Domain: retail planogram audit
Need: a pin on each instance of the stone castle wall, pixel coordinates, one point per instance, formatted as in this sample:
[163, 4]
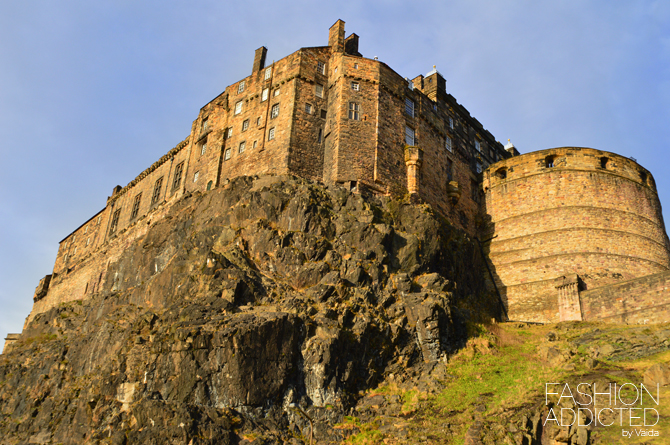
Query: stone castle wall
[570, 211]
[329, 114]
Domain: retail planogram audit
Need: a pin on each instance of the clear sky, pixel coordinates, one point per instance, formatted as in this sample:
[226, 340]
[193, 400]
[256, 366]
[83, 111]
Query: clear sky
[91, 93]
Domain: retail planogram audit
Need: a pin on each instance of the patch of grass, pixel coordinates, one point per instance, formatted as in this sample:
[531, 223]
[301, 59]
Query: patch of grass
[510, 375]
[369, 432]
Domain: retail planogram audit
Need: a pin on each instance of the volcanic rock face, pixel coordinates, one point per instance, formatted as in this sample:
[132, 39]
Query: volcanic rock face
[267, 292]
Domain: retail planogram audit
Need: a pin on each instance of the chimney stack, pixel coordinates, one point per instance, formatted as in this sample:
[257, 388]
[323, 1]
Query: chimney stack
[336, 36]
[259, 59]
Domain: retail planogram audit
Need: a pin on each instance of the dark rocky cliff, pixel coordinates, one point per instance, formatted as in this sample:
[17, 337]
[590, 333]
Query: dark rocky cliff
[265, 293]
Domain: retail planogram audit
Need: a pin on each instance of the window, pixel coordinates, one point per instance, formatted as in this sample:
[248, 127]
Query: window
[157, 191]
[355, 66]
[240, 87]
[323, 114]
[409, 136]
[318, 90]
[88, 241]
[603, 162]
[226, 154]
[478, 167]
[409, 106]
[501, 173]
[75, 251]
[320, 67]
[136, 206]
[308, 108]
[238, 107]
[478, 146]
[205, 125]
[115, 221]
[474, 190]
[274, 112]
[268, 73]
[354, 111]
[355, 86]
[74, 237]
[195, 176]
[320, 137]
[203, 149]
[448, 144]
[245, 125]
[271, 134]
[97, 223]
[209, 186]
[549, 161]
[177, 175]
[230, 132]
[258, 121]
[451, 123]
[276, 93]
[264, 94]
[255, 144]
[243, 145]
[450, 170]
[86, 229]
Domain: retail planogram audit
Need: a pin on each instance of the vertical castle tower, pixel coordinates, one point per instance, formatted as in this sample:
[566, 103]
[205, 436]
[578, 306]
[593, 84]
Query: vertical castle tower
[567, 220]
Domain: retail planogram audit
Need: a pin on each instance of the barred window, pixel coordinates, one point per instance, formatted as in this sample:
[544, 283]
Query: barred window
[308, 108]
[409, 106]
[274, 112]
[205, 125]
[448, 144]
[268, 73]
[136, 206]
[354, 111]
[355, 86]
[115, 221]
[203, 149]
[243, 145]
[320, 67]
[409, 136]
[245, 125]
[264, 94]
[271, 134]
[177, 175]
[226, 154]
[157, 191]
[240, 87]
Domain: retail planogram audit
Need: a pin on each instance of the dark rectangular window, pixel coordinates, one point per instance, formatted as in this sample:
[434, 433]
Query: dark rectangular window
[157, 191]
[115, 221]
[136, 206]
[178, 171]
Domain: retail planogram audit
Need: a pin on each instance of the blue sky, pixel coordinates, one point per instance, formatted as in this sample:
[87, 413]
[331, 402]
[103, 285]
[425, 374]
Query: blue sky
[91, 93]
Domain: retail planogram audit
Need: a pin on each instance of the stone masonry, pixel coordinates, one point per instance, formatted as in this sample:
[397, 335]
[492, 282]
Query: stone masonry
[329, 114]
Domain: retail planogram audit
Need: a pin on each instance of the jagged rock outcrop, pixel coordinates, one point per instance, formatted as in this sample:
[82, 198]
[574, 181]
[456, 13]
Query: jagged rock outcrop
[265, 293]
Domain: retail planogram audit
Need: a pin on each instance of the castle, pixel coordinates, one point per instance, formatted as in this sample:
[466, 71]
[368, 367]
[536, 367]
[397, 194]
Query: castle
[570, 233]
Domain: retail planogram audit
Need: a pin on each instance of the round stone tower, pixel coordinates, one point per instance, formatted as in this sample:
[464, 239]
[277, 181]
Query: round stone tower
[566, 220]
